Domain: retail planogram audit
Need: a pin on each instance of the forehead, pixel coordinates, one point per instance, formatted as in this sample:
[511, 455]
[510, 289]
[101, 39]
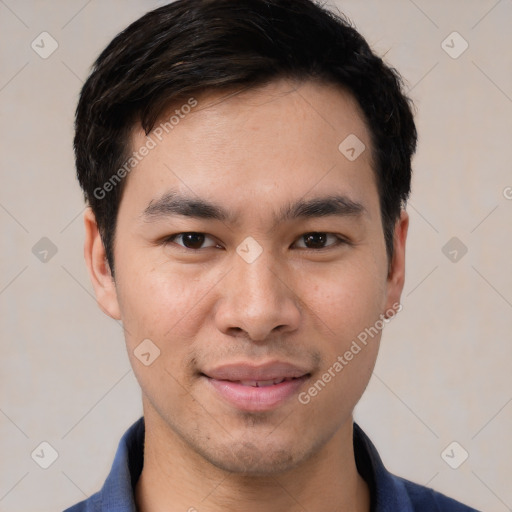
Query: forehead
[256, 147]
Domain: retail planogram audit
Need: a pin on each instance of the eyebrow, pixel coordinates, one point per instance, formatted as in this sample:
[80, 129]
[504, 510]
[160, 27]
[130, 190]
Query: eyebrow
[172, 204]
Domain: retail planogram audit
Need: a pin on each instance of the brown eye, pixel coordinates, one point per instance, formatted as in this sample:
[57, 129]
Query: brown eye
[318, 240]
[191, 240]
[315, 240]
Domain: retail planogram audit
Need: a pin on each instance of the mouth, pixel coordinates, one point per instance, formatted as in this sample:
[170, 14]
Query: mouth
[256, 388]
[263, 383]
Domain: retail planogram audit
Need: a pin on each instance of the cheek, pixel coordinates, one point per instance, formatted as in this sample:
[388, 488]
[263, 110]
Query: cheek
[162, 305]
[158, 301]
[347, 304]
[346, 298]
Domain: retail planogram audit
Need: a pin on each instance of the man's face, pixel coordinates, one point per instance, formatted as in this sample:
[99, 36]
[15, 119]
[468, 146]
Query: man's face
[275, 281]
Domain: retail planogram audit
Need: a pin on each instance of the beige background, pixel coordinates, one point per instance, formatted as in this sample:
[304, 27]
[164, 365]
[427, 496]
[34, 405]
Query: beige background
[443, 374]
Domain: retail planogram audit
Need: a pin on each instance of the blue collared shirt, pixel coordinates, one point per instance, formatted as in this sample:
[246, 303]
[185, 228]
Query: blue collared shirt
[389, 493]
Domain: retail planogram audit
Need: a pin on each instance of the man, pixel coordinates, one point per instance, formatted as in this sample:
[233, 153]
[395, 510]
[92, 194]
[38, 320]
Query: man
[246, 165]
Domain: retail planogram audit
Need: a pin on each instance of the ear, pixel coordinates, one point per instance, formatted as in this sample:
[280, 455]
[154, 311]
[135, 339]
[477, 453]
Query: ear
[396, 273]
[99, 269]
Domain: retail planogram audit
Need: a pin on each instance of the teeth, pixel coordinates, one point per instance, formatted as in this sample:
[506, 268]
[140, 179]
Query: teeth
[249, 383]
[262, 383]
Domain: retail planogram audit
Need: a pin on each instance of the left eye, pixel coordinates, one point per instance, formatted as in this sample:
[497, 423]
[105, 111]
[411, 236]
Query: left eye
[191, 240]
[318, 240]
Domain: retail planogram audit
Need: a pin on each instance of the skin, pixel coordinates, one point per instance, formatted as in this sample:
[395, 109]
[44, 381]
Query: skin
[252, 153]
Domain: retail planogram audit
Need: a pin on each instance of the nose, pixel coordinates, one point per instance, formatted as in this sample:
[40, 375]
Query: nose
[257, 300]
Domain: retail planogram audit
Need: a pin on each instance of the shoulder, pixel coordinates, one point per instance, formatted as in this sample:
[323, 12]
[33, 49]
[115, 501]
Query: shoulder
[89, 505]
[425, 499]
[390, 492]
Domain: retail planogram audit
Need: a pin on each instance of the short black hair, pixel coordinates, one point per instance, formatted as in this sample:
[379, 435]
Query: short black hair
[192, 46]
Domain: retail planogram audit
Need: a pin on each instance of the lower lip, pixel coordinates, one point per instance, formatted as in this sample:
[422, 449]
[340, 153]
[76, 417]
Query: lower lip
[251, 398]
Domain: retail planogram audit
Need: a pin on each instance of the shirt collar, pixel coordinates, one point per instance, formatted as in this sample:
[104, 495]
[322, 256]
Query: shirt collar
[388, 492]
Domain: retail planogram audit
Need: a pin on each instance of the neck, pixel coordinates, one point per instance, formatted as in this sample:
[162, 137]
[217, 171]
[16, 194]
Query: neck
[175, 478]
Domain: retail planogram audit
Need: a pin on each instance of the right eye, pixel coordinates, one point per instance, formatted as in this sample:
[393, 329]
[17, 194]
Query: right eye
[190, 240]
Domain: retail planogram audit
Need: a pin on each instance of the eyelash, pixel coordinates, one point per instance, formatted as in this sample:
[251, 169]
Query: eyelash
[339, 240]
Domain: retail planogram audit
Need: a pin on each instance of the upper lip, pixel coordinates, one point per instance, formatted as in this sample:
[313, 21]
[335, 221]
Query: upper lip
[250, 372]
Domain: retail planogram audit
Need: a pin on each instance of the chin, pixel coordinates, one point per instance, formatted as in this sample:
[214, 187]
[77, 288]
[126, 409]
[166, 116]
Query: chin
[260, 455]
[248, 459]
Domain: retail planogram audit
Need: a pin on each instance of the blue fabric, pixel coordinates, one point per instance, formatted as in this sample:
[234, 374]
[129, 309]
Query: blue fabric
[389, 493]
